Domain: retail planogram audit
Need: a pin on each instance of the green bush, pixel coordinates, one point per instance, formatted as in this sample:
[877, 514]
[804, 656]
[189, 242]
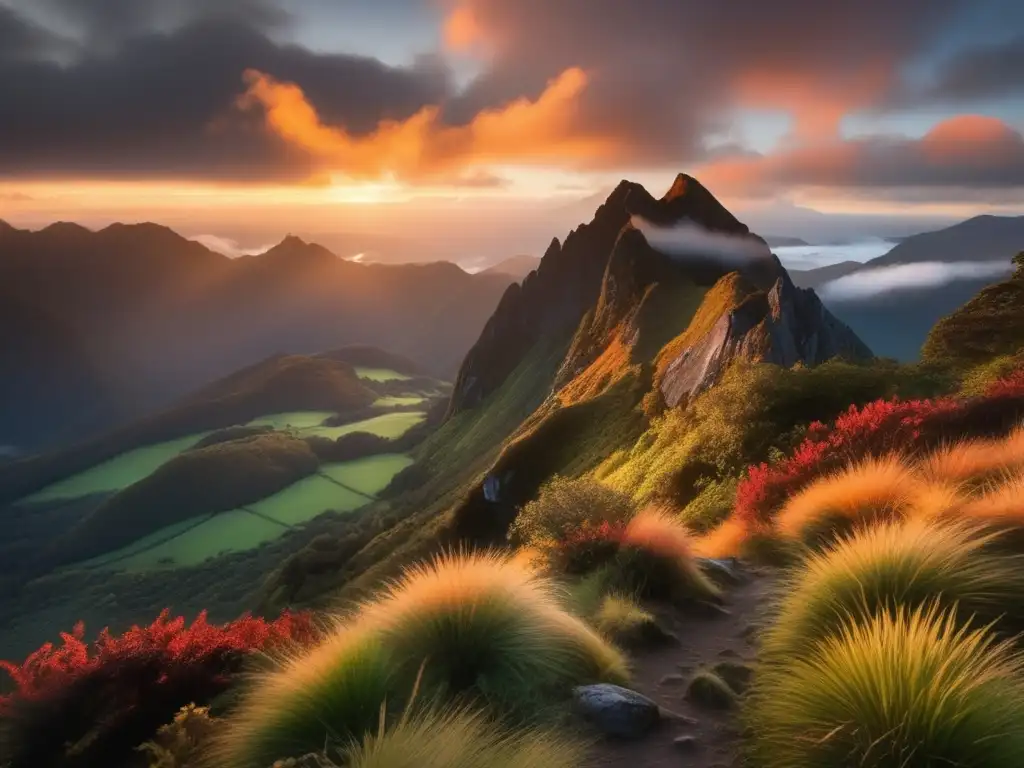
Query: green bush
[563, 507]
[896, 565]
[905, 689]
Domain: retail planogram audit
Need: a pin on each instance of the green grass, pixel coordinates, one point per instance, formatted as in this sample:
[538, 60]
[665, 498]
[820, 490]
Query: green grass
[394, 401]
[369, 475]
[311, 423]
[192, 541]
[380, 374]
[890, 565]
[118, 472]
[897, 691]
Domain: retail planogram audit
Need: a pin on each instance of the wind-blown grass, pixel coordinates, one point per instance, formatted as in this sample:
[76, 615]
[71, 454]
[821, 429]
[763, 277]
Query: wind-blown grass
[474, 628]
[463, 739]
[899, 690]
[868, 491]
[896, 565]
[1001, 508]
[619, 615]
[975, 463]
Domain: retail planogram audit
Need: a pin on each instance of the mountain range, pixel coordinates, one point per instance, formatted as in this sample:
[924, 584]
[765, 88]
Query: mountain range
[101, 327]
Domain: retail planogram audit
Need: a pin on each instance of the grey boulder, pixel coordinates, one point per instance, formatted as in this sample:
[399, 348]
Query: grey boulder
[616, 711]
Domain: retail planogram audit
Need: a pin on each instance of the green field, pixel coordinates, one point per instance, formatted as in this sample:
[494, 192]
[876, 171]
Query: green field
[380, 374]
[310, 423]
[192, 541]
[118, 472]
[394, 401]
[297, 420]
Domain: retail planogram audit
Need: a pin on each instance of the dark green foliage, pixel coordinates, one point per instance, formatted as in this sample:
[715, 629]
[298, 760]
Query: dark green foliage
[214, 479]
[230, 434]
[355, 445]
[988, 326]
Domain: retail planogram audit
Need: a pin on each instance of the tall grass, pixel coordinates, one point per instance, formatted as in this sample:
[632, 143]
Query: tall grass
[914, 688]
[896, 565]
[1001, 508]
[462, 739]
[476, 628]
[868, 491]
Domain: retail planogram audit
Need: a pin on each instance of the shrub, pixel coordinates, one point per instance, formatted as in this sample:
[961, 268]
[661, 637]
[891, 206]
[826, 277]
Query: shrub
[86, 705]
[656, 560]
[180, 743]
[896, 565]
[914, 688]
[711, 506]
[563, 509]
[708, 689]
[869, 491]
[456, 738]
[474, 627]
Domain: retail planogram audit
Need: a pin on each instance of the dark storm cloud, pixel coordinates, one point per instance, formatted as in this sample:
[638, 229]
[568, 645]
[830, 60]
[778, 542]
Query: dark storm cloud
[987, 71]
[163, 105]
[21, 38]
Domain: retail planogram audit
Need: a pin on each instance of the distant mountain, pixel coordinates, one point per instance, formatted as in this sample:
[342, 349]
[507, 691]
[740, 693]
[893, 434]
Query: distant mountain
[517, 267]
[129, 317]
[781, 241]
[812, 278]
[983, 238]
[896, 323]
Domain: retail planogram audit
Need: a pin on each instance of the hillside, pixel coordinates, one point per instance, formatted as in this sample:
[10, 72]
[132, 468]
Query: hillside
[516, 267]
[813, 278]
[981, 238]
[156, 316]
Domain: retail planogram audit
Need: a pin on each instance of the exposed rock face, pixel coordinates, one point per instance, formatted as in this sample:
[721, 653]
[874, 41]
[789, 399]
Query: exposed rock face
[552, 301]
[784, 326]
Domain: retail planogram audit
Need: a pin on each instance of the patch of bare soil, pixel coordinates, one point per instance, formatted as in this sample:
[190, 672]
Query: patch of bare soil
[699, 736]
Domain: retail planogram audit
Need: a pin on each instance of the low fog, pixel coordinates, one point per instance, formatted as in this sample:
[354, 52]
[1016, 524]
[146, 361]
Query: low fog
[904, 277]
[687, 240]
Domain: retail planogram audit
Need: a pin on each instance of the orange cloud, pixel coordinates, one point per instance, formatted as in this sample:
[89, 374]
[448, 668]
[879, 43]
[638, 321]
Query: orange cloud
[423, 147]
[462, 29]
[967, 151]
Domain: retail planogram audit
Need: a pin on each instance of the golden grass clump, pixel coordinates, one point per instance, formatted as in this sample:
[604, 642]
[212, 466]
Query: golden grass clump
[1001, 508]
[457, 738]
[896, 565]
[975, 463]
[657, 559]
[910, 688]
[476, 627]
[619, 615]
[869, 491]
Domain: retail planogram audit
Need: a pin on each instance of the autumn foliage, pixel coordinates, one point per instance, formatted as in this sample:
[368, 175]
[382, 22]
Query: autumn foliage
[91, 704]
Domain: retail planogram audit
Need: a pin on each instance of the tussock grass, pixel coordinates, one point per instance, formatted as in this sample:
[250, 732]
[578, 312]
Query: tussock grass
[896, 565]
[914, 688]
[657, 559]
[620, 615]
[868, 491]
[462, 739]
[975, 463]
[937, 501]
[727, 540]
[1001, 508]
[478, 628]
[330, 694]
[485, 623]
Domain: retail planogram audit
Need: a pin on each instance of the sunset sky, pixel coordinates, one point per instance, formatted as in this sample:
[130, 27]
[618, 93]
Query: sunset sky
[503, 119]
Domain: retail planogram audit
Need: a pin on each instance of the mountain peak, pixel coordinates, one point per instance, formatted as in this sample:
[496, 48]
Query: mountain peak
[293, 247]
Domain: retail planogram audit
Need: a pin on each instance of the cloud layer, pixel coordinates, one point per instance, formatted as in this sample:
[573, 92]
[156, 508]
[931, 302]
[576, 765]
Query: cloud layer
[909, 277]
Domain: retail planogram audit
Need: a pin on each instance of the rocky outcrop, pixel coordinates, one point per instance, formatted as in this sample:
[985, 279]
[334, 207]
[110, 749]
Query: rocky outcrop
[551, 302]
[784, 325]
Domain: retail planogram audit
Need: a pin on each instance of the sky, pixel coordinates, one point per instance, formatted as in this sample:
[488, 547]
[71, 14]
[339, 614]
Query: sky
[423, 128]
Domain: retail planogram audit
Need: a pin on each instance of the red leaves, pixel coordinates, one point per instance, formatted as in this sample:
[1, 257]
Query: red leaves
[877, 428]
[584, 548]
[50, 669]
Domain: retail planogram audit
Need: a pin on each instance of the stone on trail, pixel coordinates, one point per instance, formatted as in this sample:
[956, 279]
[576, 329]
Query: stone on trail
[616, 711]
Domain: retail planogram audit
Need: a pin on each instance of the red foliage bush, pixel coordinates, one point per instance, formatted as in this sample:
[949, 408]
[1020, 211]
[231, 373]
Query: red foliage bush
[875, 429]
[80, 704]
[585, 548]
